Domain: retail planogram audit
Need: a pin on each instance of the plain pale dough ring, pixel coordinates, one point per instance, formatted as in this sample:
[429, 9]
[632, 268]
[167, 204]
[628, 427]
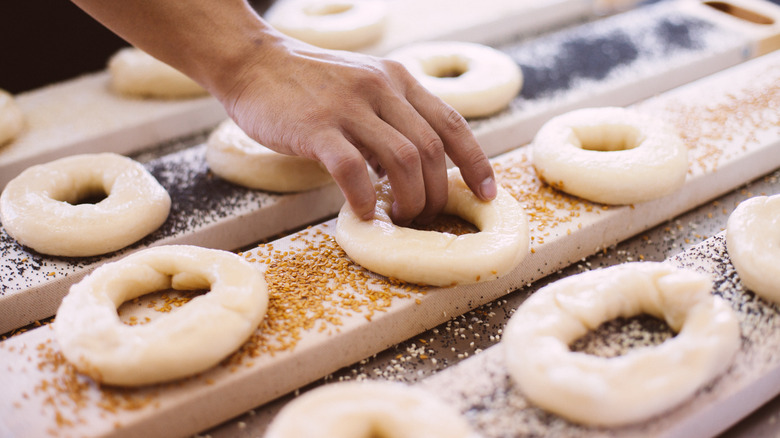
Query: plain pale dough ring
[135, 73]
[37, 207]
[645, 381]
[475, 80]
[182, 343]
[11, 118]
[368, 409]
[331, 24]
[234, 156]
[753, 242]
[610, 155]
[434, 258]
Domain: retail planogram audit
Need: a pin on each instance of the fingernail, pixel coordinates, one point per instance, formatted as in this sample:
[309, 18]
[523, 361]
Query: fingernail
[487, 188]
[368, 216]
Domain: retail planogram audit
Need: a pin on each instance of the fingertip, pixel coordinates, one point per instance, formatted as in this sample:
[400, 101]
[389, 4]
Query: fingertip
[397, 216]
[488, 189]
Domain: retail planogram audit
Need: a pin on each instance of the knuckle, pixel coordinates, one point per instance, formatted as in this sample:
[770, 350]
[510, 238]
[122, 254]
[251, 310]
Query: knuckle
[406, 156]
[453, 121]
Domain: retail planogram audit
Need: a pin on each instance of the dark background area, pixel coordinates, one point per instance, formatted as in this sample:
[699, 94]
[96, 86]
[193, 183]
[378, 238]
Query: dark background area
[47, 41]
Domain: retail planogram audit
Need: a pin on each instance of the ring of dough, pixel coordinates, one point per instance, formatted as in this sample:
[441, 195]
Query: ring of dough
[37, 207]
[182, 343]
[475, 80]
[752, 241]
[331, 24]
[368, 409]
[11, 118]
[435, 258]
[234, 156]
[610, 155]
[135, 73]
[645, 381]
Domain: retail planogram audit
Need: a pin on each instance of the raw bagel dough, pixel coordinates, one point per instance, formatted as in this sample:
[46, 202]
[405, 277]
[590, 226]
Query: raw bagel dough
[234, 156]
[368, 409]
[645, 381]
[36, 207]
[753, 242]
[11, 118]
[331, 24]
[134, 73]
[475, 80]
[434, 258]
[610, 155]
[193, 339]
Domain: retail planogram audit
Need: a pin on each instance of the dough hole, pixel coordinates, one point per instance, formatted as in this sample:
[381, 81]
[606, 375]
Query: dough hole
[620, 335]
[91, 196]
[327, 9]
[157, 304]
[448, 223]
[445, 66]
[614, 138]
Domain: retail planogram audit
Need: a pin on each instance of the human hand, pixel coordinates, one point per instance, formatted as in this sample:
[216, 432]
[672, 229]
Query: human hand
[345, 109]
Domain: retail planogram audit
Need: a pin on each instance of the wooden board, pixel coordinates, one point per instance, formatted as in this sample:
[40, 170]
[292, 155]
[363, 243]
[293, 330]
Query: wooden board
[481, 388]
[560, 75]
[365, 314]
[83, 115]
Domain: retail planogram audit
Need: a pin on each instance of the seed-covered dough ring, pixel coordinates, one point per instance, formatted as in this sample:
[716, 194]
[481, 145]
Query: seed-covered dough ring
[645, 381]
[134, 73]
[234, 156]
[331, 24]
[475, 80]
[368, 409]
[37, 207]
[182, 343]
[753, 242]
[11, 118]
[610, 155]
[434, 258]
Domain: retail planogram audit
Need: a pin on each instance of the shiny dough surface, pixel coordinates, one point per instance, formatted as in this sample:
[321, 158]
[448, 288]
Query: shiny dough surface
[368, 409]
[639, 384]
[753, 243]
[41, 208]
[189, 340]
[134, 73]
[474, 79]
[437, 258]
[610, 155]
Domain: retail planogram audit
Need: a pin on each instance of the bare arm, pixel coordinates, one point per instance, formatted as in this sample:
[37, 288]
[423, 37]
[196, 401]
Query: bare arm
[340, 108]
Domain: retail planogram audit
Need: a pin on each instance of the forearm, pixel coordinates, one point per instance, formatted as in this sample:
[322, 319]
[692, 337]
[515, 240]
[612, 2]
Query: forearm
[207, 40]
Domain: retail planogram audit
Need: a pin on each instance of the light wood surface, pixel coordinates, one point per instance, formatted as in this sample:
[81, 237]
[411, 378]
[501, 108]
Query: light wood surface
[724, 155]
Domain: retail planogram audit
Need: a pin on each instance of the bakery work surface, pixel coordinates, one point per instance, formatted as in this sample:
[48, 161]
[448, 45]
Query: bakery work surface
[564, 69]
[349, 314]
[330, 320]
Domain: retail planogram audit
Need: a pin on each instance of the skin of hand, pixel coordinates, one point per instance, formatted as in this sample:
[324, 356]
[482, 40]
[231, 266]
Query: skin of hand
[341, 108]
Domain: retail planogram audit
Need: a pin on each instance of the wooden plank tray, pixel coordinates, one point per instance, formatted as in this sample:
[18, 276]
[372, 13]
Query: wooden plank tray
[481, 388]
[83, 115]
[360, 314]
[33, 284]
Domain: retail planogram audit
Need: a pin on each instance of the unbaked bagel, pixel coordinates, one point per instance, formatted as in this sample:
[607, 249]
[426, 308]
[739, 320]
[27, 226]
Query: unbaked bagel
[753, 243]
[645, 381]
[331, 24]
[134, 73]
[234, 156]
[11, 118]
[192, 339]
[431, 257]
[368, 409]
[40, 207]
[610, 155]
[475, 80]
